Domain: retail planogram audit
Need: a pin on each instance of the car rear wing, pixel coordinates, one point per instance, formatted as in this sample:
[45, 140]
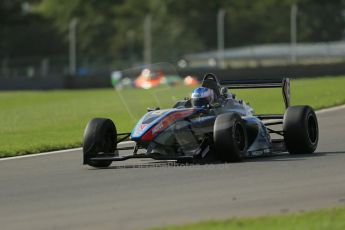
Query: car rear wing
[261, 83]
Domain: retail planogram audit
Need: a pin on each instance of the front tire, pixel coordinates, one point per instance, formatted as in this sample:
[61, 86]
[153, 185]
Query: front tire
[301, 131]
[99, 138]
[230, 137]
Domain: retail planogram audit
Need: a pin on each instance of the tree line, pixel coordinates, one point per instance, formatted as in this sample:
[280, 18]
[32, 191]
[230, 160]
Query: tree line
[112, 31]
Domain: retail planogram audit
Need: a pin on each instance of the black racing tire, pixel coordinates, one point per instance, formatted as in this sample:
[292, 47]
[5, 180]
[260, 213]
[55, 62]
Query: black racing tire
[301, 130]
[230, 137]
[99, 137]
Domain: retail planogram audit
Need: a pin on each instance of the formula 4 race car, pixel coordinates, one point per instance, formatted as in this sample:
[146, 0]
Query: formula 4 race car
[211, 126]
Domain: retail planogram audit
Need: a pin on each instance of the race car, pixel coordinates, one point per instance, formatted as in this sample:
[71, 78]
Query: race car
[213, 125]
[148, 79]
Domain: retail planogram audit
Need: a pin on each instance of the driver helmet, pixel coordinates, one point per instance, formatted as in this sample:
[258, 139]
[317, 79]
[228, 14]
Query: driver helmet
[202, 96]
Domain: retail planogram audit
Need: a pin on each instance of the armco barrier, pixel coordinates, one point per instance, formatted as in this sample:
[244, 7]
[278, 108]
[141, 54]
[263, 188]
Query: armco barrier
[103, 80]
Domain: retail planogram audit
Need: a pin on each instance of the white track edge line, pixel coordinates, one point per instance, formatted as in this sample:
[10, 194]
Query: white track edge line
[332, 109]
[52, 153]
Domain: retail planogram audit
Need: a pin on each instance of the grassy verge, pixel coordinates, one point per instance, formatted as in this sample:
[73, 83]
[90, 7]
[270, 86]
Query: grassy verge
[323, 219]
[36, 121]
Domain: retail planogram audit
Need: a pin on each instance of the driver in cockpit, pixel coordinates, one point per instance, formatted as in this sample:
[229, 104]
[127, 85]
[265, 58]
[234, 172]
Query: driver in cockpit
[210, 93]
[202, 97]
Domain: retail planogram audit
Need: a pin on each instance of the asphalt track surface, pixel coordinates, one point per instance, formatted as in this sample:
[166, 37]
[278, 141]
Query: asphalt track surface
[55, 192]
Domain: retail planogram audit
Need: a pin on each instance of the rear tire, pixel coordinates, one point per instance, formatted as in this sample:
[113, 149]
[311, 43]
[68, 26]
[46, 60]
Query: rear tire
[301, 131]
[230, 137]
[99, 137]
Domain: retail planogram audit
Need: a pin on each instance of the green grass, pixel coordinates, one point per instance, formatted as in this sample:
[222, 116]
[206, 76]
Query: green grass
[317, 220]
[36, 121]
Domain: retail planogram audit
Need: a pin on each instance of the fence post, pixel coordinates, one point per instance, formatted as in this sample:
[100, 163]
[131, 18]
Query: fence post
[147, 39]
[73, 46]
[44, 67]
[220, 37]
[293, 32]
[4, 68]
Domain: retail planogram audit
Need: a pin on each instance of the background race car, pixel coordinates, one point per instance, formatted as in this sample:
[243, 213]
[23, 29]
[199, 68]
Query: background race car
[150, 77]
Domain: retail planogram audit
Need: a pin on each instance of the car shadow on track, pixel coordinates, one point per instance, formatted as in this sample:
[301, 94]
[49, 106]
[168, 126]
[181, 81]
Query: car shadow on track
[164, 164]
[292, 157]
[159, 164]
